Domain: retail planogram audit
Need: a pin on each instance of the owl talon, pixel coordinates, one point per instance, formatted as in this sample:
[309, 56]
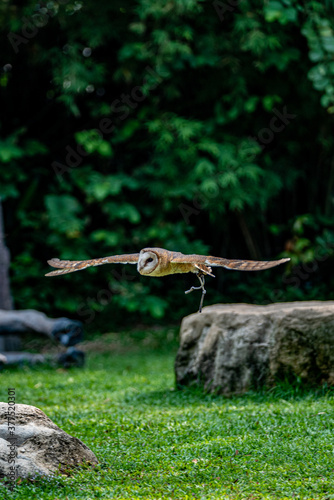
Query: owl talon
[202, 282]
[193, 288]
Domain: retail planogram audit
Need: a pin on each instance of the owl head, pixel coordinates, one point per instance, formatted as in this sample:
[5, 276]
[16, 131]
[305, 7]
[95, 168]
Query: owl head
[147, 262]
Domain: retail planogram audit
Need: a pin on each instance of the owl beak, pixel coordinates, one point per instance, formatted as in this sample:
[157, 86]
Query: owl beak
[139, 267]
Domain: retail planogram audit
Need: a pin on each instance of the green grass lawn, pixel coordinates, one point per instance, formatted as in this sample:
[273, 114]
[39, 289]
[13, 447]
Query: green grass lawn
[155, 442]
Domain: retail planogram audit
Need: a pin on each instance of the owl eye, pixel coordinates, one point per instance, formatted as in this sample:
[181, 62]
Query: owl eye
[149, 260]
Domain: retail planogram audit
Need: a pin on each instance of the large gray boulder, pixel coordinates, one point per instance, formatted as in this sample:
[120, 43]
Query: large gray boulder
[42, 448]
[231, 348]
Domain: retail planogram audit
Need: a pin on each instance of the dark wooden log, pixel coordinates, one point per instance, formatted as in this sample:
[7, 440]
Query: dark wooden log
[71, 357]
[63, 330]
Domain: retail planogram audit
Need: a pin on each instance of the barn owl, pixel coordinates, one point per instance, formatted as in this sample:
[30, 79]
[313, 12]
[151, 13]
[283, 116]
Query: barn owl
[160, 262]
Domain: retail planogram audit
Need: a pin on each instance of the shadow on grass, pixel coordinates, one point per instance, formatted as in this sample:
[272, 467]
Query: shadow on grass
[105, 363]
[196, 395]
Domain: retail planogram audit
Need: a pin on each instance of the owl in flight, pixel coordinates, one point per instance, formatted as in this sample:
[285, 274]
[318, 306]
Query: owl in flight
[160, 262]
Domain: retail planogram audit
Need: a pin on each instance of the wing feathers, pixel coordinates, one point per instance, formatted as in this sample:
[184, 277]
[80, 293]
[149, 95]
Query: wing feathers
[70, 266]
[244, 265]
[236, 264]
[201, 262]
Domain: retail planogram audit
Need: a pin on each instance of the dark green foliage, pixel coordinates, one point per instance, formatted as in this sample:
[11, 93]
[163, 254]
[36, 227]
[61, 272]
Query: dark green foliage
[191, 125]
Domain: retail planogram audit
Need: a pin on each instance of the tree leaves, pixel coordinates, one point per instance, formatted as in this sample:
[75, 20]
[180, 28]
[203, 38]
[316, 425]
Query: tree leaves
[193, 138]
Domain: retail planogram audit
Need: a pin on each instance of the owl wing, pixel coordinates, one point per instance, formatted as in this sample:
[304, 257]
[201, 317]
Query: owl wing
[235, 264]
[244, 265]
[70, 266]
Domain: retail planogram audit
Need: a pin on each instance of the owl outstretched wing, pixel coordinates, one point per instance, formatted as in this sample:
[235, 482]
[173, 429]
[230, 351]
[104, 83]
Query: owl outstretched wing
[235, 264]
[244, 265]
[71, 266]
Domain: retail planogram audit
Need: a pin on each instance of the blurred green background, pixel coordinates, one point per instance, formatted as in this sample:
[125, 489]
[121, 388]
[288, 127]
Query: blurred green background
[203, 127]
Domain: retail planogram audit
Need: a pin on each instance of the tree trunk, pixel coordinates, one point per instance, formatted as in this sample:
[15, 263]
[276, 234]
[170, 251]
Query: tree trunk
[6, 301]
[254, 253]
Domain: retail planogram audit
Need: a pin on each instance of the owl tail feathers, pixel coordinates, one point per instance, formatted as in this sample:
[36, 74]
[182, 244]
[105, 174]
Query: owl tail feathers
[203, 269]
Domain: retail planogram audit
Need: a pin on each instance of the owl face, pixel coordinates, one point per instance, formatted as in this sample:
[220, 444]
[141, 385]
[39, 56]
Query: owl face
[148, 262]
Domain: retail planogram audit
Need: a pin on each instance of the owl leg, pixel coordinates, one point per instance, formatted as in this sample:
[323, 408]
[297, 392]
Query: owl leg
[202, 282]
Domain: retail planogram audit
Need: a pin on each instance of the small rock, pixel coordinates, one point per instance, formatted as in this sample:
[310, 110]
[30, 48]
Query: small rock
[47, 448]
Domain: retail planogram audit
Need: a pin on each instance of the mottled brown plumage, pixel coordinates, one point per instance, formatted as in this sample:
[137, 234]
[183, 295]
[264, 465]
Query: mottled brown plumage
[165, 262]
[158, 262]
[70, 266]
